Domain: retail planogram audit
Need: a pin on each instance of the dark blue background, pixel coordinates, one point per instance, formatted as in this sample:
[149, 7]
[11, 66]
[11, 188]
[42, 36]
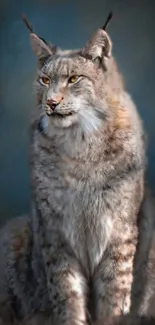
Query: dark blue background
[68, 24]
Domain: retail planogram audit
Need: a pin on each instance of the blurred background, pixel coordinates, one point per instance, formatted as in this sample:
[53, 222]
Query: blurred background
[68, 24]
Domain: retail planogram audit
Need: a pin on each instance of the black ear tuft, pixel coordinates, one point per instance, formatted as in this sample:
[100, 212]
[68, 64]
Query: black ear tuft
[107, 21]
[29, 27]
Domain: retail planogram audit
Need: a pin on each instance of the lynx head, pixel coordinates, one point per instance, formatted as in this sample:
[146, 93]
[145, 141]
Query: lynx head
[72, 85]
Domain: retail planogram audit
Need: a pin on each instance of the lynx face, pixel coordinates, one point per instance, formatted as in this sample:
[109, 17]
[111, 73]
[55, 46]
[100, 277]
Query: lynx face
[71, 84]
[68, 86]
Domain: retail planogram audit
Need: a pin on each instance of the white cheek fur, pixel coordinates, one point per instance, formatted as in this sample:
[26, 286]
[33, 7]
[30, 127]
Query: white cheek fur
[89, 122]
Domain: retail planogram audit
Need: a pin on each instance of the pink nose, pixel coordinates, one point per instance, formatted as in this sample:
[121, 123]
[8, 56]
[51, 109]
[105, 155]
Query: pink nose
[52, 103]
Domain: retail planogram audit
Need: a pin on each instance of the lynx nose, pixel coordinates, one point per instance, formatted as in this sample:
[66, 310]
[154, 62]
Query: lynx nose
[52, 104]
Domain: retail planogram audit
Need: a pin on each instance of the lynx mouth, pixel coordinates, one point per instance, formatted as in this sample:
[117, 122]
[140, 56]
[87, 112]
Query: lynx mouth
[60, 115]
[44, 120]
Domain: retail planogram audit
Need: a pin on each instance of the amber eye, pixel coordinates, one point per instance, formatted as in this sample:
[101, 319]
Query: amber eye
[44, 80]
[73, 79]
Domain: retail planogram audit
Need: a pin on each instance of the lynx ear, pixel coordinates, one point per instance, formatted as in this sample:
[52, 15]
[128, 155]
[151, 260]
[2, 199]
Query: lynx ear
[98, 47]
[40, 48]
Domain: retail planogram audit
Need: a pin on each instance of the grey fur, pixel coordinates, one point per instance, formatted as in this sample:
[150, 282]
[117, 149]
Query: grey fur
[88, 230]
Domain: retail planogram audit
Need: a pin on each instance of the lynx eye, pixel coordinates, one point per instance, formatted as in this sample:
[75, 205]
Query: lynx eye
[44, 80]
[73, 79]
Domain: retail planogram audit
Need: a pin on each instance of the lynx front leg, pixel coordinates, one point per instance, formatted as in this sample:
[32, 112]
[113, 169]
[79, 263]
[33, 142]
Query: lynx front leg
[66, 285]
[113, 281]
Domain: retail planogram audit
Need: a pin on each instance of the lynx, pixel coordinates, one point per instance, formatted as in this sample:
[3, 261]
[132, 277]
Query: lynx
[88, 166]
[86, 252]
